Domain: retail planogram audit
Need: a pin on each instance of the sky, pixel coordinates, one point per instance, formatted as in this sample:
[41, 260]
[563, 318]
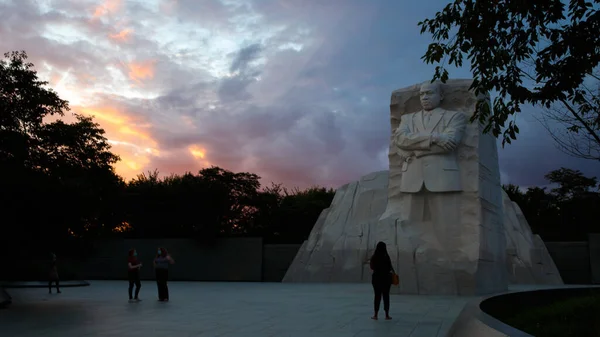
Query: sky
[296, 91]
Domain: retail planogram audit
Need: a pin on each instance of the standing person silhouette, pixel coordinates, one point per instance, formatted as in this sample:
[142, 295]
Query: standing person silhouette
[133, 273]
[161, 266]
[381, 265]
[53, 275]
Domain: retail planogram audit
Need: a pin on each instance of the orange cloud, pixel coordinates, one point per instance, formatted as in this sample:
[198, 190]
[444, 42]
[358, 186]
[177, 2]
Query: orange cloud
[127, 138]
[109, 6]
[197, 152]
[121, 36]
[104, 114]
[141, 70]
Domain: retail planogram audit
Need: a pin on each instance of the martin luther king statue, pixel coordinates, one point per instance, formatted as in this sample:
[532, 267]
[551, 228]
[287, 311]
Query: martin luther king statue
[431, 182]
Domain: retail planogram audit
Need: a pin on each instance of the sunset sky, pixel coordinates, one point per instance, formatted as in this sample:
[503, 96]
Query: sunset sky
[296, 91]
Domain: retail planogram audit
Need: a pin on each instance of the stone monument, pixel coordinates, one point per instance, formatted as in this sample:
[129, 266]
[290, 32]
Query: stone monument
[440, 208]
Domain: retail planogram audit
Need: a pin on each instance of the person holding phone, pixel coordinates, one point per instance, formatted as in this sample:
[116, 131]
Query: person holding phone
[161, 267]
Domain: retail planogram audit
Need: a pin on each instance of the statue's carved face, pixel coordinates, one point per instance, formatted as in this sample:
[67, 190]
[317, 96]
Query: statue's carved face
[430, 95]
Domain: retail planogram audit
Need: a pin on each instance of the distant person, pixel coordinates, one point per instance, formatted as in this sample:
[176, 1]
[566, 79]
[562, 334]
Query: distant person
[381, 265]
[134, 266]
[53, 275]
[161, 266]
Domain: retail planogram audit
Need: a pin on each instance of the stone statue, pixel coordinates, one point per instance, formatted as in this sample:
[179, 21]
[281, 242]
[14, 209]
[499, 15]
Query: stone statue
[440, 208]
[427, 141]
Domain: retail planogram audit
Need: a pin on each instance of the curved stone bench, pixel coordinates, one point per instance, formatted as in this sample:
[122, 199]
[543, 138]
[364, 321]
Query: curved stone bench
[42, 284]
[5, 298]
[478, 317]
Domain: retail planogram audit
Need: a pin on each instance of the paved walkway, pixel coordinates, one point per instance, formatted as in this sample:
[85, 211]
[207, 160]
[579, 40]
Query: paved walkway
[223, 309]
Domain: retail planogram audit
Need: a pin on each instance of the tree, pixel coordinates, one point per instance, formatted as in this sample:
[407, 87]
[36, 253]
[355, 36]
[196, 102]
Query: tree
[539, 208]
[566, 212]
[214, 202]
[291, 215]
[572, 184]
[76, 160]
[578, 199]
[552, 46]
[514, 193]
[241, 190]
[24, 103]
[219, 203]
[55, 177]
[580, 133]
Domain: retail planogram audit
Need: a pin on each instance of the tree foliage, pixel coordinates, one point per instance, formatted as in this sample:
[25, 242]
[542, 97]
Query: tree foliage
[216, 203]
[535, 52]
[55, 177]
[578, 131]
[566, 212]
[58, 183]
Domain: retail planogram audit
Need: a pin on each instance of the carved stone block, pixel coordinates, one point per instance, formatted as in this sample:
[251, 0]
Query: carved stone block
[487, 242]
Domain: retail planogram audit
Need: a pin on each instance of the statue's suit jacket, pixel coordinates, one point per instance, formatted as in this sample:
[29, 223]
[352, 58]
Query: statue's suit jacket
[427, 164]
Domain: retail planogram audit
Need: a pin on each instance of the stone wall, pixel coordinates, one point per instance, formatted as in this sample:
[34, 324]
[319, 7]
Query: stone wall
[572, 260]
[277, 258]
[232, 259]
[5, 298]
[594, 249]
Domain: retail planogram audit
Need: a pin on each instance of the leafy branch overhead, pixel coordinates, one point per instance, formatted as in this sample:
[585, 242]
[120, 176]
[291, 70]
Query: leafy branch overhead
[530, 52]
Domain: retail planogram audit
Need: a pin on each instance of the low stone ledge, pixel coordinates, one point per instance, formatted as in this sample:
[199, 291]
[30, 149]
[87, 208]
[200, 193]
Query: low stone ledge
[5, 298]
[42, 284]
[479, 317]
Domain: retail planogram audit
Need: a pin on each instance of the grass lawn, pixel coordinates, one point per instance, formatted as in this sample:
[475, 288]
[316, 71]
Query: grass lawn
[576, 316]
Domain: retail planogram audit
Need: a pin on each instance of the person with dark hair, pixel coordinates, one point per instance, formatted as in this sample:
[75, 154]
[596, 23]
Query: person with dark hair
[381, 265]
[53, 275]
[161, 266]
[133, 266]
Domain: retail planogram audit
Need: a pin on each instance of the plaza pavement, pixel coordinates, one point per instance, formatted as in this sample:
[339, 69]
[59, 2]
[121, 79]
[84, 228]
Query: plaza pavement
[224, 309]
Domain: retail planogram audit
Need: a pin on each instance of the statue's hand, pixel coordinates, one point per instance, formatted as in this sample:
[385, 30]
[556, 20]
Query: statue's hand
[404, 154]
[444, 142]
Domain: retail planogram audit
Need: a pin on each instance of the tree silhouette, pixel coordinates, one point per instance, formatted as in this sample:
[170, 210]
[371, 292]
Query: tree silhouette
[55, 177]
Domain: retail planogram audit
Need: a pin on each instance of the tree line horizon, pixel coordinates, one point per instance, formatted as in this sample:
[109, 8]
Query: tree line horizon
[59, 187]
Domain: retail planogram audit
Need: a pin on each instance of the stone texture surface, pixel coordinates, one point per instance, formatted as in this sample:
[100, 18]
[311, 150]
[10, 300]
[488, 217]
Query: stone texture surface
[371, 210]
[336, 248]
[527, 259]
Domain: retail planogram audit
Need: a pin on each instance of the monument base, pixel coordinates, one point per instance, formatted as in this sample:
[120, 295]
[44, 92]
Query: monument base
[344, 238]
